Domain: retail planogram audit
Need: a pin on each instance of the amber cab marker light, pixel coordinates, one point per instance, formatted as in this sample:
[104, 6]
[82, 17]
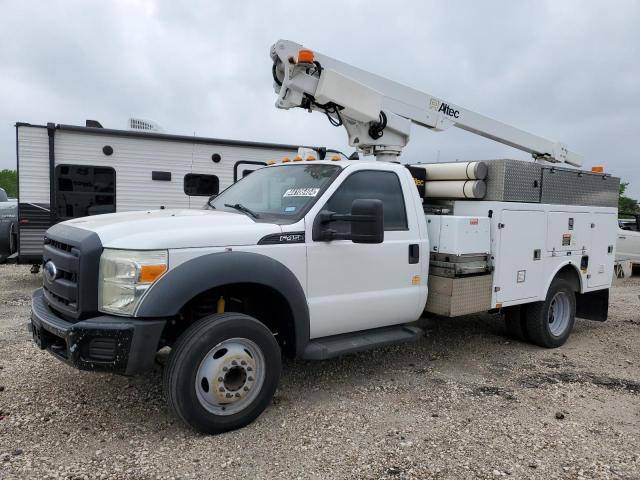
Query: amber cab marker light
[271, 162]
[305, 56]
[335, 158]
[286, 160]
[311, 157]
[597, 169]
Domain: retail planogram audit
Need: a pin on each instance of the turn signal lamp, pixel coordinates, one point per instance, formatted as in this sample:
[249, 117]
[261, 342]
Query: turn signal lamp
[305, 56]
[150, 273]
[597, 169]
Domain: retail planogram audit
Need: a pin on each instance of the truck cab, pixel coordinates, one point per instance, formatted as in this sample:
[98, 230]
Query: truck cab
[307, 250]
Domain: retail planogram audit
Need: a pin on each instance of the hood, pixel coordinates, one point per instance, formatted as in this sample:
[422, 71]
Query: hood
[164, 229]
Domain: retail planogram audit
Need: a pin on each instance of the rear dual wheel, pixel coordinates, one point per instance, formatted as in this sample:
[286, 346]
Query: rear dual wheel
[548, 323]
[222, 372]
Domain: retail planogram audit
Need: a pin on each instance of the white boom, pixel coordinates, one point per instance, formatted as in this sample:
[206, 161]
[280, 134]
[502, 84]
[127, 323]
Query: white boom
[377, 113]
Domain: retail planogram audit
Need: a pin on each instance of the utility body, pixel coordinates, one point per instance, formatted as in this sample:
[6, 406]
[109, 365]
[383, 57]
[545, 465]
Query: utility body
[314, 258]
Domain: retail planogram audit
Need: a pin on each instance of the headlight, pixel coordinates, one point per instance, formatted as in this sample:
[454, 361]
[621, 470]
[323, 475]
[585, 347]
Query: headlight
[125, 275]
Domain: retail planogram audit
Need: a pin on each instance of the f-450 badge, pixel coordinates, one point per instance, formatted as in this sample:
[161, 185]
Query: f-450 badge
[280, 238]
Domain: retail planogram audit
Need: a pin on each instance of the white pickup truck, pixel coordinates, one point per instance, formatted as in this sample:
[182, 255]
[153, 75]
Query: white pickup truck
[628, 244]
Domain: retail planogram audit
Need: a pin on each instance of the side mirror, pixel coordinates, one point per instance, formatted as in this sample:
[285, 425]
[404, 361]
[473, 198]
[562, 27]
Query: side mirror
[366, 218]
[367, 224]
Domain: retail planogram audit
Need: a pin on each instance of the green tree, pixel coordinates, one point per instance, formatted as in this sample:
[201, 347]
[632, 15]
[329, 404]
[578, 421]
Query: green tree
[9, 182]
[626, 204]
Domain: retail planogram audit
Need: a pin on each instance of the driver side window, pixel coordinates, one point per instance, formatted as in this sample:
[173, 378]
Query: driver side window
[370, 184]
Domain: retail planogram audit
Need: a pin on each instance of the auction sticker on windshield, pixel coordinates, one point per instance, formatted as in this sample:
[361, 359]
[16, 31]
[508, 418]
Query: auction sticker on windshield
[301, 192]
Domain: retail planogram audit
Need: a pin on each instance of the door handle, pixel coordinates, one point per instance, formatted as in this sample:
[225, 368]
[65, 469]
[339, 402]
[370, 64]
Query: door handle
[414, 253]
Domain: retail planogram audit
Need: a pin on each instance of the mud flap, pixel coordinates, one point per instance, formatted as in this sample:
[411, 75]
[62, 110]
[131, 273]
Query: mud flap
[593, 305]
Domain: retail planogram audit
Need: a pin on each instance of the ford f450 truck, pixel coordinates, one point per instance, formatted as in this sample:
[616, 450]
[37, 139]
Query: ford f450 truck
[316, 258]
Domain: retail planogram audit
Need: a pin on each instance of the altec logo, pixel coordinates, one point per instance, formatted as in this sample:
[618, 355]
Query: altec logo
[439, 106]
[447, 110]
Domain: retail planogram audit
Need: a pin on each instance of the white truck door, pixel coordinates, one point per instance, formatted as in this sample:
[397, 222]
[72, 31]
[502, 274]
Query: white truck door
[355, 286]
[519, 264]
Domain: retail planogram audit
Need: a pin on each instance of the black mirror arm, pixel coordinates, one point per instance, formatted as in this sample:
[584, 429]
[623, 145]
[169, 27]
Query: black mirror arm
[328, 235]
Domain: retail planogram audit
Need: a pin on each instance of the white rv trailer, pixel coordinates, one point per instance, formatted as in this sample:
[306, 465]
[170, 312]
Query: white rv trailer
[67, 171]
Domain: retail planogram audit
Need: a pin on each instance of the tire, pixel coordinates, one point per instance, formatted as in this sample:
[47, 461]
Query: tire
[222, 372]
[515, 323]
[549, 323]
[5, 241]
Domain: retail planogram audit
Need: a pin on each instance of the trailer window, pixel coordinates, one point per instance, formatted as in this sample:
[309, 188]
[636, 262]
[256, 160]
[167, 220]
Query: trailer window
[371, 184]
[83, 190]
[201, 185]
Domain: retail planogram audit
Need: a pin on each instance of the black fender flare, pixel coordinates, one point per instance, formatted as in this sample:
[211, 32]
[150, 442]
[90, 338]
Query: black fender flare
[182, 283]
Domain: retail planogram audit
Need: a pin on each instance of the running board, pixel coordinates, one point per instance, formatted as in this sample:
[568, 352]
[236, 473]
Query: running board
[336, 345]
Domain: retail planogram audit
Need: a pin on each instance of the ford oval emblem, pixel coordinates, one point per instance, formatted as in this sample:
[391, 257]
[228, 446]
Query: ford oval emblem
[50, 271]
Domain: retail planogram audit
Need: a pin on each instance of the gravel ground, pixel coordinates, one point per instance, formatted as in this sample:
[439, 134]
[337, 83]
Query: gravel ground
[464, 402]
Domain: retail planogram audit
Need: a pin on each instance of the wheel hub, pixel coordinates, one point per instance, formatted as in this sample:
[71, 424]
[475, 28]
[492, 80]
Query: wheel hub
[234, 377]
[559, 314]
[230, 376]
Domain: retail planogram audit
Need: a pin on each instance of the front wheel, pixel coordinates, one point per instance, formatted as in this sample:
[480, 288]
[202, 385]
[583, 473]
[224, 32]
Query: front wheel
[549, 323]
[222, 372]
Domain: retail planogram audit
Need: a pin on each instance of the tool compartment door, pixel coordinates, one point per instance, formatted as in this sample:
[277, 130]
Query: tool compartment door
[601, 255]
[519, 262]
[568, 231]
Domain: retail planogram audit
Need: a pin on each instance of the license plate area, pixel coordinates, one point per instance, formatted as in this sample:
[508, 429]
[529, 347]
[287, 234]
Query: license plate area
[46, 340]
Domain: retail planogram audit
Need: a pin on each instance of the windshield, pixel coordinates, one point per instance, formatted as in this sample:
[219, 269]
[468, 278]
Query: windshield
[277, 193]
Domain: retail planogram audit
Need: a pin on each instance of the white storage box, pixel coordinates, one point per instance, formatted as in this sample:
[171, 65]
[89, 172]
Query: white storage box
[456, 235]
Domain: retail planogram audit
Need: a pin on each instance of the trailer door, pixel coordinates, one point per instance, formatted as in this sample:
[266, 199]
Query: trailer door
[519, 267]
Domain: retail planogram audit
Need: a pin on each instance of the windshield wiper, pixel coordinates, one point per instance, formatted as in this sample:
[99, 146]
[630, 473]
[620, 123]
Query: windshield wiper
[242, 208]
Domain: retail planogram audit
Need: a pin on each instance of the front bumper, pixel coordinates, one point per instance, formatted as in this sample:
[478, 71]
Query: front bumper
[104, 343]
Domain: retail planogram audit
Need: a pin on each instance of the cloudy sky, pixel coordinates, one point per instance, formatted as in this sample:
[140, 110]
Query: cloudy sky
[566, 70]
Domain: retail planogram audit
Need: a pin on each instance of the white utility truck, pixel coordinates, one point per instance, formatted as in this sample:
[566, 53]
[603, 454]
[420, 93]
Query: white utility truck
[317, 258]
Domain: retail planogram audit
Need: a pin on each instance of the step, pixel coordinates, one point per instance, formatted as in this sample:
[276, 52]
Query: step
[336, 345]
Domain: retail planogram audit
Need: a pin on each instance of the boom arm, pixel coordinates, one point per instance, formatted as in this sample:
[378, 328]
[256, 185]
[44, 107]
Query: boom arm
[377, 113]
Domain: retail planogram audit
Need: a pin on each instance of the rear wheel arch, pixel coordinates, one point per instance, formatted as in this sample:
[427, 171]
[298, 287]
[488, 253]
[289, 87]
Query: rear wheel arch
[570, 273]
